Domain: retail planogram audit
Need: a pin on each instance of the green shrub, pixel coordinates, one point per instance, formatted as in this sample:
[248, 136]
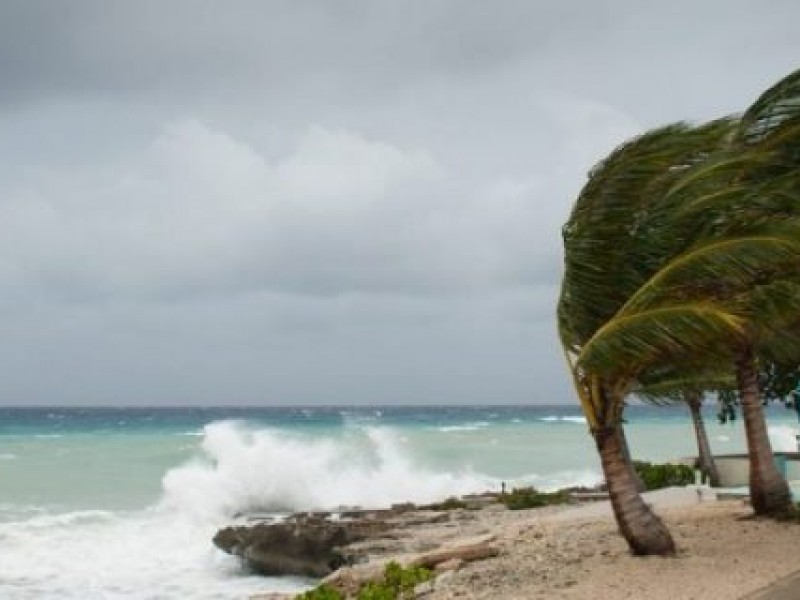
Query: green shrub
[529, 497]
[397, 583]
[403, 581]
[376, 591]
[322, 592]
[660, 476]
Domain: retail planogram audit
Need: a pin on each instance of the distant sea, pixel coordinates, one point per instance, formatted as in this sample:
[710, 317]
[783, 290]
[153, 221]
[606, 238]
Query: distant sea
[123, 502]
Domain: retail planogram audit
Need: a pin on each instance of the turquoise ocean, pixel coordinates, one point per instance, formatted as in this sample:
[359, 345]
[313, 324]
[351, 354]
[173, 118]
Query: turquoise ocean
[123, 502]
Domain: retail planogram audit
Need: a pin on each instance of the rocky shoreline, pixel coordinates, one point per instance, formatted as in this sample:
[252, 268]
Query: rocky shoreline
[351, 548]
[570, 552]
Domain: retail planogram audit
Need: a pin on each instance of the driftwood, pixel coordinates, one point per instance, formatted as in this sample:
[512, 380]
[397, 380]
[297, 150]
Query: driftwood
[466, 553]
[349, 579]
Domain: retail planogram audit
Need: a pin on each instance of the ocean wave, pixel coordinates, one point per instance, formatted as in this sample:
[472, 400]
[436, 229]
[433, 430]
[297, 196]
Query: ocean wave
[559, 480]
[464, 427]
[61, 520]
[563, 419]
[121, 556]
[166, 548]
[244, 469]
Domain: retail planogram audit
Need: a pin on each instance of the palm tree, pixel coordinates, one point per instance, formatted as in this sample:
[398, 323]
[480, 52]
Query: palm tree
[755, 182]
[694, 297]
[705, 459]
[725, 277]
[673, 383]
[776, 305]
[769, 492]
[770, 128]
[675, 250]
[614, 241]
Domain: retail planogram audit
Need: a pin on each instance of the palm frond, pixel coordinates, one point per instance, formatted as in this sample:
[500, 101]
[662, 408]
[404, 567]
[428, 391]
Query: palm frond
[717, 268]
[615, 239]
[669, 382]
[627, 344]
[776, 105]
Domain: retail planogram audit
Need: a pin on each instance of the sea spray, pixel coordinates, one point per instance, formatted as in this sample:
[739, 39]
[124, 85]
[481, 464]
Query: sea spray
[268, 470]
[164, 551]
[120, 555]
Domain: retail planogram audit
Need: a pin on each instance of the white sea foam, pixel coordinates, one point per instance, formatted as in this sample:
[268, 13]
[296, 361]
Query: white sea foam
[464, 427]
[270, 470]
[100, 554]
[563, 419]
[562, 479]
[165, 551]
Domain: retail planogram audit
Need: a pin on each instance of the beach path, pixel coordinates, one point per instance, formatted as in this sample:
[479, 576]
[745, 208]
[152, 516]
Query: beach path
[786, 588]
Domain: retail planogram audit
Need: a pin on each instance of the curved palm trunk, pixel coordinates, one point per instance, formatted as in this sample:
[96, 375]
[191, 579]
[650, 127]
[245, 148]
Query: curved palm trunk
[640, 486]
[769, 492]
[705, 459]
[639, 525]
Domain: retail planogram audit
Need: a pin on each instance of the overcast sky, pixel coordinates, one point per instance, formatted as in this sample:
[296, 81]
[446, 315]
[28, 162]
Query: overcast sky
[331, 201]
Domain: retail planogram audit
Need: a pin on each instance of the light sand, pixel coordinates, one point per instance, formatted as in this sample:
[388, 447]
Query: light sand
[577, 554]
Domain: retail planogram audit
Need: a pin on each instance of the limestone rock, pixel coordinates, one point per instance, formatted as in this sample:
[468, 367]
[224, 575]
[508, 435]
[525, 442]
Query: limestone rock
[312, 546]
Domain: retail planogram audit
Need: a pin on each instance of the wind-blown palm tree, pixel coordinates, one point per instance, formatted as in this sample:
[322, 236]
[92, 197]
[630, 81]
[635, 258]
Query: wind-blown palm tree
[726, 278]
[755, 181]
[638, 289]
[614, 242]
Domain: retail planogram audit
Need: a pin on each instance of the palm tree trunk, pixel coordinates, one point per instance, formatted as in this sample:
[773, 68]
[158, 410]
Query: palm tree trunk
[705, 459]
[639, 525]
[623, 439]
[769, 492]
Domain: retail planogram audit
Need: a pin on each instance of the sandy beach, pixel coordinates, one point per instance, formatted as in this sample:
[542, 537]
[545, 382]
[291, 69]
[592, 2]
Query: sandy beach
[575, 552]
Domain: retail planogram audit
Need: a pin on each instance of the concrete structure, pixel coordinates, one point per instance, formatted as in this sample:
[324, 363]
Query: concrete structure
[734, 468]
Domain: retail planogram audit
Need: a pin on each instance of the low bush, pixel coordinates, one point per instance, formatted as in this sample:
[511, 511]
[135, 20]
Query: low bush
[657, 476]
[322, 592]
[398, 583]
[451, 503]
[529, 497]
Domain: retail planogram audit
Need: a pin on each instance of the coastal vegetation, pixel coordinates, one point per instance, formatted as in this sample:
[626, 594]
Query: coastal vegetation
[682, 269]
[657, 476]
[529, 497]
[397, 583]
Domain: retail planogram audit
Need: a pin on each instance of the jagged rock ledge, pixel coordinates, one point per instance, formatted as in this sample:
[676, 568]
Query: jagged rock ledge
[352, 548]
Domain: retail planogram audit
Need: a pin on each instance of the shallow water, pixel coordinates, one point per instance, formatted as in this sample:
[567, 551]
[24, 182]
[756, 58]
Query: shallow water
[122, 503]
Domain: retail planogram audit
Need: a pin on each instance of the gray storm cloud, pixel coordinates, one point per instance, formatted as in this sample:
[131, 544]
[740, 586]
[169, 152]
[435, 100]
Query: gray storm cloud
[315, 202]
